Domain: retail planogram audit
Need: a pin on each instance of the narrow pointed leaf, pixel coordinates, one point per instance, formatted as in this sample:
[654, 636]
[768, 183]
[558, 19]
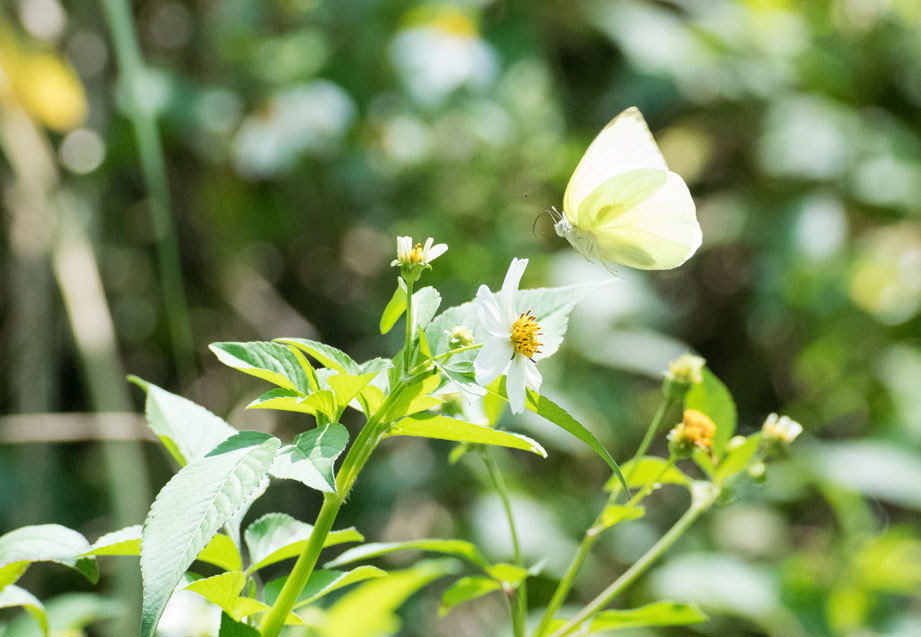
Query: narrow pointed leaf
[369, 609]
[327, 355]
[510, 574]
[223, 590]
[277, 536]
[284, 400]
[322, 582]
[454, 548]
[191, 508]
[443, 428]
[664, 613]
[187, 430]
[45, 543]
[311, 457]
[648, 468]
[425, 305]
[222, 552]
[395, 307]
[617, 513]
[465, 589]
[736, 460]
[13, 596]
[268, 361]
[126, 541]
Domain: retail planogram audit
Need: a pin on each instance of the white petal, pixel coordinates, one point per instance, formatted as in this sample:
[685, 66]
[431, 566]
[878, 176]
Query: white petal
[532, 377]
[510, 288]
[492, 359]
[488, 310]
[436, 251]
[514, 383]
[427, 246]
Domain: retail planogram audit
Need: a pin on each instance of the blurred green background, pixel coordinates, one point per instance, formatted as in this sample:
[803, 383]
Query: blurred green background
[301, 136]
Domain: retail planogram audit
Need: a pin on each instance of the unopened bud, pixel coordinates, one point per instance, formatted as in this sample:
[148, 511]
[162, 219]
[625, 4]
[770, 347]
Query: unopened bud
[683, 373]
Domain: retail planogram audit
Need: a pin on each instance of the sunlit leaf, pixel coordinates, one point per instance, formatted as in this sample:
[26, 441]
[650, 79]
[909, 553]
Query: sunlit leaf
[222, 552]
[223, 590]
[444, 428]
[465, 589]
[44, 543]
[322, 582]
[311, 457]
[277, 536]
[327, 355]
[646, 469]
[617, 513]
[126, 541]
[13, 596]
[395, 307]
[712, 398]
[269, 361]
[455, 548]
[664, 613]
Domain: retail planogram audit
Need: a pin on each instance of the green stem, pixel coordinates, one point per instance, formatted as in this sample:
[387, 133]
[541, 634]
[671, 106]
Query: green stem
[520, 606]
[698, 506]
[664, 405]
[355, 459]
[153, 165]
[410, 325]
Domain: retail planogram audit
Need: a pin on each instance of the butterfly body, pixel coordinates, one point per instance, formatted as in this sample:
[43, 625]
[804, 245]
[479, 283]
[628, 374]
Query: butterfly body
[623, 205]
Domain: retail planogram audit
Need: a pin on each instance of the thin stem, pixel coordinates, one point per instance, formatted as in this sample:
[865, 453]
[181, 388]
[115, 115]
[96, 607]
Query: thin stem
[638, 568]
[410, 325]
[153, 165]
[650, 485]
[520, 606]
[355, 459]
[664, 405]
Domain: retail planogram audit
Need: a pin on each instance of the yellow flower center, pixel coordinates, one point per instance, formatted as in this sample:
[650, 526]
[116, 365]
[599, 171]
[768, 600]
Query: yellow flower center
[415, 255]
[698, 428]
[524, 335]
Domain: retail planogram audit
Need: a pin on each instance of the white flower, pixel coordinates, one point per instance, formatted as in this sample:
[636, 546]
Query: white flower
[781, 428]
[512, 341]
[410, 255]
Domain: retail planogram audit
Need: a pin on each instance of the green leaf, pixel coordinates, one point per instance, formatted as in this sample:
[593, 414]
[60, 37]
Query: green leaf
[552, 307]
[187, 430]
[543, 406]
[425, 304]
[232, 628]
[277, 536]
[44, 543]
[223, 590]
[509, 574]
[191, 508]
[311, 457]
[68, 614]
[395, 307]
[712, 398]
[327, 355]
[664, 613]
[321, 582]
[126, 541]
[368, 610]
[465, 382]
[443, 428]
[268, 361]
[12, 596]
[222, 552]
[454, 548]
[617, 513]
[465, 589]
[737, 459]
[648, 468]
[347, 386]
[284, 400]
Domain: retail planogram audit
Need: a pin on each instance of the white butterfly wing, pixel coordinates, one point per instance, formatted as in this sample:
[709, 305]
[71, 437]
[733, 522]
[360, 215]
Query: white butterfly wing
[659, 233]
[624, 144]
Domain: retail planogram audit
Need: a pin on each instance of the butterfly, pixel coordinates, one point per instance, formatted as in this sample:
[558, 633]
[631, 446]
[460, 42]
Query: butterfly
[624, 206]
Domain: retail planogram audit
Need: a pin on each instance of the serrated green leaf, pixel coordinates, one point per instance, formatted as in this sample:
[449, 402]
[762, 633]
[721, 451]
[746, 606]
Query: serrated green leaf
[283, 400]
[712, 398]
[465, 382]
[465, 589]
[664, 613]
[368, 610]
[327, 355]
[736, 460]
[443, 428]
[269, 361]
[454, 548]
[277, 536]
[646, 469]
[126, 541]
[543, 406]
[375, 365]
[12, 596]
[232, 628]
[395, 307]
[617, 513]
[45, 543]
[222, 552]
[311, 457]
[322, 582]
[191, 508]
[425, 305]
[187, 430]
[347, 386]
[222, 590]
[552, 307]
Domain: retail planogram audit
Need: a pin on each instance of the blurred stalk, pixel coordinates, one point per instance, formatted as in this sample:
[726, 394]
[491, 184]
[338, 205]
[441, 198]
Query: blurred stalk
[78, 278]
[133, 78]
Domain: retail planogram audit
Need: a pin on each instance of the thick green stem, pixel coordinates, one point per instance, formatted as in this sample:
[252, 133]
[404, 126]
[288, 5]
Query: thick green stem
[698, 506]
[355, 460]
[410, 325]
[520, 604]
[153, 165]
